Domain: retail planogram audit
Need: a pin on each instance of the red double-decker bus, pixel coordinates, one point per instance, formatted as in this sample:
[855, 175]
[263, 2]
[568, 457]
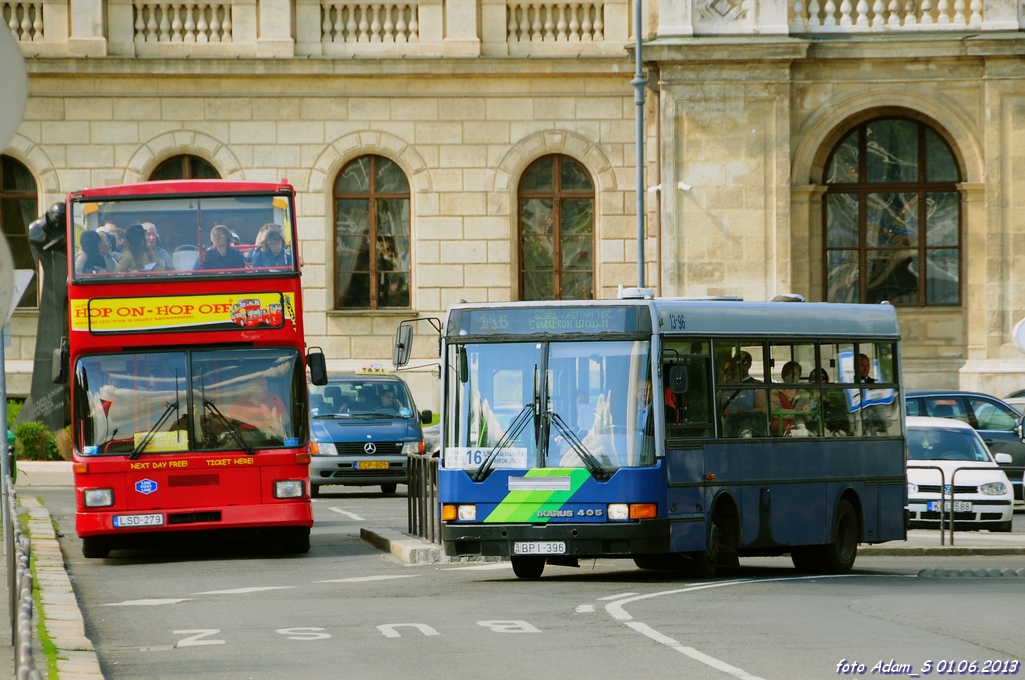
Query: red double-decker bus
[183, 416]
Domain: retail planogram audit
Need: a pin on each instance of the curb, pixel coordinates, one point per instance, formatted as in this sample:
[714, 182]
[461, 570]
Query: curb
[413, 550]
[62, 616]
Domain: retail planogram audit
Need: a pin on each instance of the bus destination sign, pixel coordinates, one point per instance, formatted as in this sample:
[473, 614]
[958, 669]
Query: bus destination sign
[551, 320]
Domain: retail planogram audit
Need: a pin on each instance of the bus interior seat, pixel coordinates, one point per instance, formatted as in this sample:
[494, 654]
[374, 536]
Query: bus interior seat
[185, 257]
[333, 397]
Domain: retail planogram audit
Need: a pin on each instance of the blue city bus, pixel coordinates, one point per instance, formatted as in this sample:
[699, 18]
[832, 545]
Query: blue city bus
[677, 433]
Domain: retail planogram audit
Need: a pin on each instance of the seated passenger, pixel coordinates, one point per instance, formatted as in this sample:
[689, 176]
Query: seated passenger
[788, 405]
[221, 255]
[94, 257]
[388, 403]
[742, 409]
[260, 409]
[137, 256]
[270, 248]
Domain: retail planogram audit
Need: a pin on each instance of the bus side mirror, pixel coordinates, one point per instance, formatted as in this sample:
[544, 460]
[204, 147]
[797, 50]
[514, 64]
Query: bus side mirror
[678, 381]
[318, 366]
[403, 345]
[59, 365]
[464, 368]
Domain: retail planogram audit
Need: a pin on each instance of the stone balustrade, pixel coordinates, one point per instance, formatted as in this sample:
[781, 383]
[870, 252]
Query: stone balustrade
[466, 28]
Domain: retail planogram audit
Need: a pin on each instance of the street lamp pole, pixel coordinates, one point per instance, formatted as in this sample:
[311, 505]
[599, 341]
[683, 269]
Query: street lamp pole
[639, 83]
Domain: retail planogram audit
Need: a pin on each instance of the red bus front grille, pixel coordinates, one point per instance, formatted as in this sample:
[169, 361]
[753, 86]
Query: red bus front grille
[194, 480]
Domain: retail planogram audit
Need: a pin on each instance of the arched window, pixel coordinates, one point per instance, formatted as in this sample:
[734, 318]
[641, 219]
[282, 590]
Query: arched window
[184, 167]
[556, 214]
[892, 216]
[19, 207]
[371, 196]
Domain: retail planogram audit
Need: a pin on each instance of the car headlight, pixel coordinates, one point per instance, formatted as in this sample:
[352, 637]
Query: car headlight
[912, 488]
[412, 447]
[289, 488]
[323, 449]
[993, 489]
[98, 498]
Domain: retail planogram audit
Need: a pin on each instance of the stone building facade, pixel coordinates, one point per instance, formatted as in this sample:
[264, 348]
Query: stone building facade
[750, 109]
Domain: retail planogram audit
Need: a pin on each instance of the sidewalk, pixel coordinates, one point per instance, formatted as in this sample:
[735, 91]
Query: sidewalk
[65, 626]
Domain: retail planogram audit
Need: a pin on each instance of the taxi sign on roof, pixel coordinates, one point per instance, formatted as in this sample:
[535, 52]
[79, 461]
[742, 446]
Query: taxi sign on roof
[373, 369]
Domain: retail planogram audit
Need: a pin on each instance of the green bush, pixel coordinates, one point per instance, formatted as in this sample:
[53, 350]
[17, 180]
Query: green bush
[34, 442]
[13, 409]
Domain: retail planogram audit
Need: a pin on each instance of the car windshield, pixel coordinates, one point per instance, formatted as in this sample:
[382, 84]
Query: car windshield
[367, 399]
[946, 444]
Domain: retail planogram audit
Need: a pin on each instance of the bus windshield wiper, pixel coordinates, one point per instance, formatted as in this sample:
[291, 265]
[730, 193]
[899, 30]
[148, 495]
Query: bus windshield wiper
[590, 462]
[517, 424]
[141, 446]
[228, 427]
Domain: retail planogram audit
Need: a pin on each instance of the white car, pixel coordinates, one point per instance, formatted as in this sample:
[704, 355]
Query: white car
[981, 496]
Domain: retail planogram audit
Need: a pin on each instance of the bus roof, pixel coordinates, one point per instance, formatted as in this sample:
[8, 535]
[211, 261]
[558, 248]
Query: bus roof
[185, 186]
[710, 317]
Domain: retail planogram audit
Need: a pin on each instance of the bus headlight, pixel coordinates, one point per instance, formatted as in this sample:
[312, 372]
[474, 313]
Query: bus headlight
[289, 488]
[618, 512]
[98, 498]
[466, 513]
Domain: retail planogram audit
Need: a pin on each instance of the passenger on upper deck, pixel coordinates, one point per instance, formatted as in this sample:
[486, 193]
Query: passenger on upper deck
[270, 248]
[94, 256]
[137, 256]
[221, 255]
[153, 239]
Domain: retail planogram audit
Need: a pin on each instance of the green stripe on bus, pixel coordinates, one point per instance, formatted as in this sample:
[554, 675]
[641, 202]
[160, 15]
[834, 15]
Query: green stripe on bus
[523, 506]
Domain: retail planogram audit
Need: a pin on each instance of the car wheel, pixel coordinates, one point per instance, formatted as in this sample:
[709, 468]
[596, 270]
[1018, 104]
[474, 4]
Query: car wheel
[1002, 526]
[314, 491]
[528, 568]
[389, 488]
[94, 547]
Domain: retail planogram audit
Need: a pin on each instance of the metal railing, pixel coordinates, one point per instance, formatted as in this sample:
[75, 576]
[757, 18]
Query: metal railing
[18, 551]
[424, 521]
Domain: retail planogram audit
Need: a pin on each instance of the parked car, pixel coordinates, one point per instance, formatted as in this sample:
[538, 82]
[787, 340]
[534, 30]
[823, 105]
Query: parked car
[1017, 400]
[997, 422]
[363, 425]
[978, 490]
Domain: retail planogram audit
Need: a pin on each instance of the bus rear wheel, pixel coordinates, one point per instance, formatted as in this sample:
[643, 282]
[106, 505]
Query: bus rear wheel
[528, 568]
[836, 557]
[94, 547]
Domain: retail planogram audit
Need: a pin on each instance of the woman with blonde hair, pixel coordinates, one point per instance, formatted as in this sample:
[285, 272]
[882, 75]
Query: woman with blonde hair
[270, 248]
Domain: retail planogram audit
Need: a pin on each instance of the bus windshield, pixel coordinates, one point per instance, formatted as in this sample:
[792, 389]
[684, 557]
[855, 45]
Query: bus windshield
[177, 401]
[559, 404]
[194, 235]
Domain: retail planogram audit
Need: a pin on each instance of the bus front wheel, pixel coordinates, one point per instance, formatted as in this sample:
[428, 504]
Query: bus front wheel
[704, 563]
[94, 547]
[528, 568]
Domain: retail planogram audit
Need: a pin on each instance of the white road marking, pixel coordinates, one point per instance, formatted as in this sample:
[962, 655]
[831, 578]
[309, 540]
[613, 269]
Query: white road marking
[481, 567]
[146, 603]
[585, 608]
[363, 579]
[692, 653]
[243, 591]
[350, 515]
[615, 609]
[615, 597]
